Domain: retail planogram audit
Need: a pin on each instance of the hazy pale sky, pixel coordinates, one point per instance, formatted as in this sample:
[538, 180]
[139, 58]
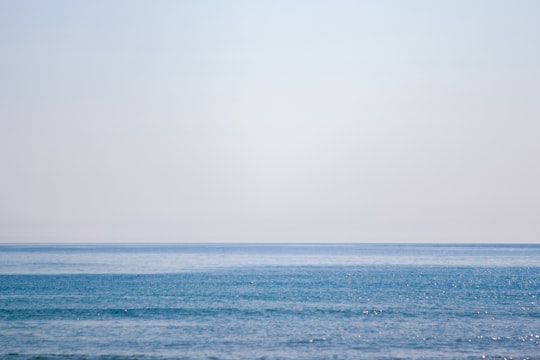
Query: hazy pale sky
[274, 121]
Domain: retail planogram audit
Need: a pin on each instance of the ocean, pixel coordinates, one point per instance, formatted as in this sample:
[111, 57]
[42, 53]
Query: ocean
[269, 301]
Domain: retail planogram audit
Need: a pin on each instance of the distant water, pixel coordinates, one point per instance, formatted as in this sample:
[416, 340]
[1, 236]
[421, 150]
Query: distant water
[269, 302]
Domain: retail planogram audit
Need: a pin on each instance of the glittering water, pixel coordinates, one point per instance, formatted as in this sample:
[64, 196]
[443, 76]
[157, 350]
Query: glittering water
[270, 301]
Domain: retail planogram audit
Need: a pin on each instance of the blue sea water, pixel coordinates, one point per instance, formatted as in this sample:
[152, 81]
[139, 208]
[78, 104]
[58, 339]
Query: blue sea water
[281, 301]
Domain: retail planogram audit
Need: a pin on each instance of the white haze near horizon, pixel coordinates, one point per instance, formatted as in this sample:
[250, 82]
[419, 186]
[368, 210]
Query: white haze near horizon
[269, 121]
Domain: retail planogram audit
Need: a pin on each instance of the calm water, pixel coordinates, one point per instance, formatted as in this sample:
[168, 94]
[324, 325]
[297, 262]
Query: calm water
[269, 302]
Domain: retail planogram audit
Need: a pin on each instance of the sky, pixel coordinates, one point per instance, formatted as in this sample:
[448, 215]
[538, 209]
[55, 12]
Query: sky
[270, 121]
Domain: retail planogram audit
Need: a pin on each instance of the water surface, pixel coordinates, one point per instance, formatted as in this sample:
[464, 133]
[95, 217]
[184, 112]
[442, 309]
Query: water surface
[270, 301]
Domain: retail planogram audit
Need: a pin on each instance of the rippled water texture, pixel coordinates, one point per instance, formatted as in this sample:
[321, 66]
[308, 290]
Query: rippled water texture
[270, 302]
